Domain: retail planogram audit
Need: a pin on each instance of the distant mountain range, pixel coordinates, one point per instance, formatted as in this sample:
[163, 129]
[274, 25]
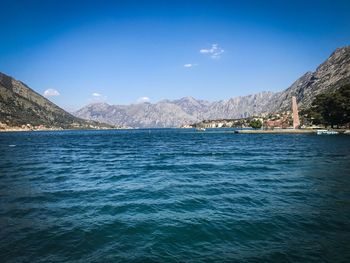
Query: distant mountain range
[330, 75]
[174, 113]
[20, 105]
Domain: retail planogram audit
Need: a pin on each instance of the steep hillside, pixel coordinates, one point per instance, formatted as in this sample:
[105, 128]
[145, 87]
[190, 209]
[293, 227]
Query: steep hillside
[330, 75]
[20, 105]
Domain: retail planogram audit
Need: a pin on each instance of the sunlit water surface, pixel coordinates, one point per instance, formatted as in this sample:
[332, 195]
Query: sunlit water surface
[173, 196]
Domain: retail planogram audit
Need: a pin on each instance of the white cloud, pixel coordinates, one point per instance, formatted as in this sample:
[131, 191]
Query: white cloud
[189, 65]
[143, 99]
[51, 93]
[215, 51]
[204, 51]
[97, 98]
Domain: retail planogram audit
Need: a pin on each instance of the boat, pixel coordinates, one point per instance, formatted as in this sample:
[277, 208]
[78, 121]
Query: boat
[326, 132]
[200, 129]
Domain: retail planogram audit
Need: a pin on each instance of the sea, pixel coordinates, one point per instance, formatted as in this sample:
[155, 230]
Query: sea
[174, 195]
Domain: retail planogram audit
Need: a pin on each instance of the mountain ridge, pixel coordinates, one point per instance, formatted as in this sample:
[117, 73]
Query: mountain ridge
[170, 113]
[331, 74]
[20, 105]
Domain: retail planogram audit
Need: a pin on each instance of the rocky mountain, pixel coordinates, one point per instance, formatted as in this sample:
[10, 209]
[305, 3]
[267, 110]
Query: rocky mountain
[20, 105]
[174, 113]
[239, 107]
[330, 75]
[161, 114]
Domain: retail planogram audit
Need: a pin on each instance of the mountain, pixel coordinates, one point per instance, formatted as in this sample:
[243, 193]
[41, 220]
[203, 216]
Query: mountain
[239, 107]
[161, 114]
[20, 105]
[330, 75]
[174, 113]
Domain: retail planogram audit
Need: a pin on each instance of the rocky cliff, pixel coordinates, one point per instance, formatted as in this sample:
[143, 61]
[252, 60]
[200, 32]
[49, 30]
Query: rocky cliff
[20, 105]
[332, 74]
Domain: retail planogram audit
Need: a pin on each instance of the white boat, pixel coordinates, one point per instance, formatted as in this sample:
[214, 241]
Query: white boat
[200, 129]
[326, 132]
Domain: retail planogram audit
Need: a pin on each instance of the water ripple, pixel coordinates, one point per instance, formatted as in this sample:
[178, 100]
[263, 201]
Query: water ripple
[173, 195]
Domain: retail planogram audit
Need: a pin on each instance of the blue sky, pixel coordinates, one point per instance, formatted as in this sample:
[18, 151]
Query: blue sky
[123, 52]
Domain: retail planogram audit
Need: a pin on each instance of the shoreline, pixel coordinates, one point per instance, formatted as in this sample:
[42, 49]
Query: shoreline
[275, 131]
[57, 129]
[278, 131]
[288, 131]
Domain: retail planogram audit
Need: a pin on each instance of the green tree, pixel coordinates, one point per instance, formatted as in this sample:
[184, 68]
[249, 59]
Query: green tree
[255, 124]
[332, 108]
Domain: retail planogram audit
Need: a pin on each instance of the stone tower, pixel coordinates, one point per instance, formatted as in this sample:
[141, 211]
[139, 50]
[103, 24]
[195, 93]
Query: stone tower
[296, 122]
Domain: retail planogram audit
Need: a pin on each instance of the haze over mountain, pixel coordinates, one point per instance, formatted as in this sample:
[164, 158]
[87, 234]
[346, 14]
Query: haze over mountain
[330, 75]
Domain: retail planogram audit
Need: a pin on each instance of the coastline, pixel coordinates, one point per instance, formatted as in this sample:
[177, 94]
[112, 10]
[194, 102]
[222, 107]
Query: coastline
[258, 131]
[278, 131]
[288, 131]
[56, 129]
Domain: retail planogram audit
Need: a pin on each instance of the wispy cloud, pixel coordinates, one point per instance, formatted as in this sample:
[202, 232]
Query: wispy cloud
[143, 99]
[215, 51]
[51, 93]
[97, 97]
[96, 94]
[189, 65]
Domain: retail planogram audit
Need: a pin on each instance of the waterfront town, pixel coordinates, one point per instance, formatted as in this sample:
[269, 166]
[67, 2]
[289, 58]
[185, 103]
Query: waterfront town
[287, 121]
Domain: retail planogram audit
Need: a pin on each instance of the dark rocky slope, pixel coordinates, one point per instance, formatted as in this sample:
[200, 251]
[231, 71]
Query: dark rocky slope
[20, 105]
[330, 75]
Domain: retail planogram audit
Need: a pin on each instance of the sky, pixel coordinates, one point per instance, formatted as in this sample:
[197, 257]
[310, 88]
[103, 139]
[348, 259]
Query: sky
[122, 52]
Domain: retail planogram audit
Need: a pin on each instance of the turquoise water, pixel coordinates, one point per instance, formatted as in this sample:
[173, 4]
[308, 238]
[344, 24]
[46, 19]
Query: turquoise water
[173, 196]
